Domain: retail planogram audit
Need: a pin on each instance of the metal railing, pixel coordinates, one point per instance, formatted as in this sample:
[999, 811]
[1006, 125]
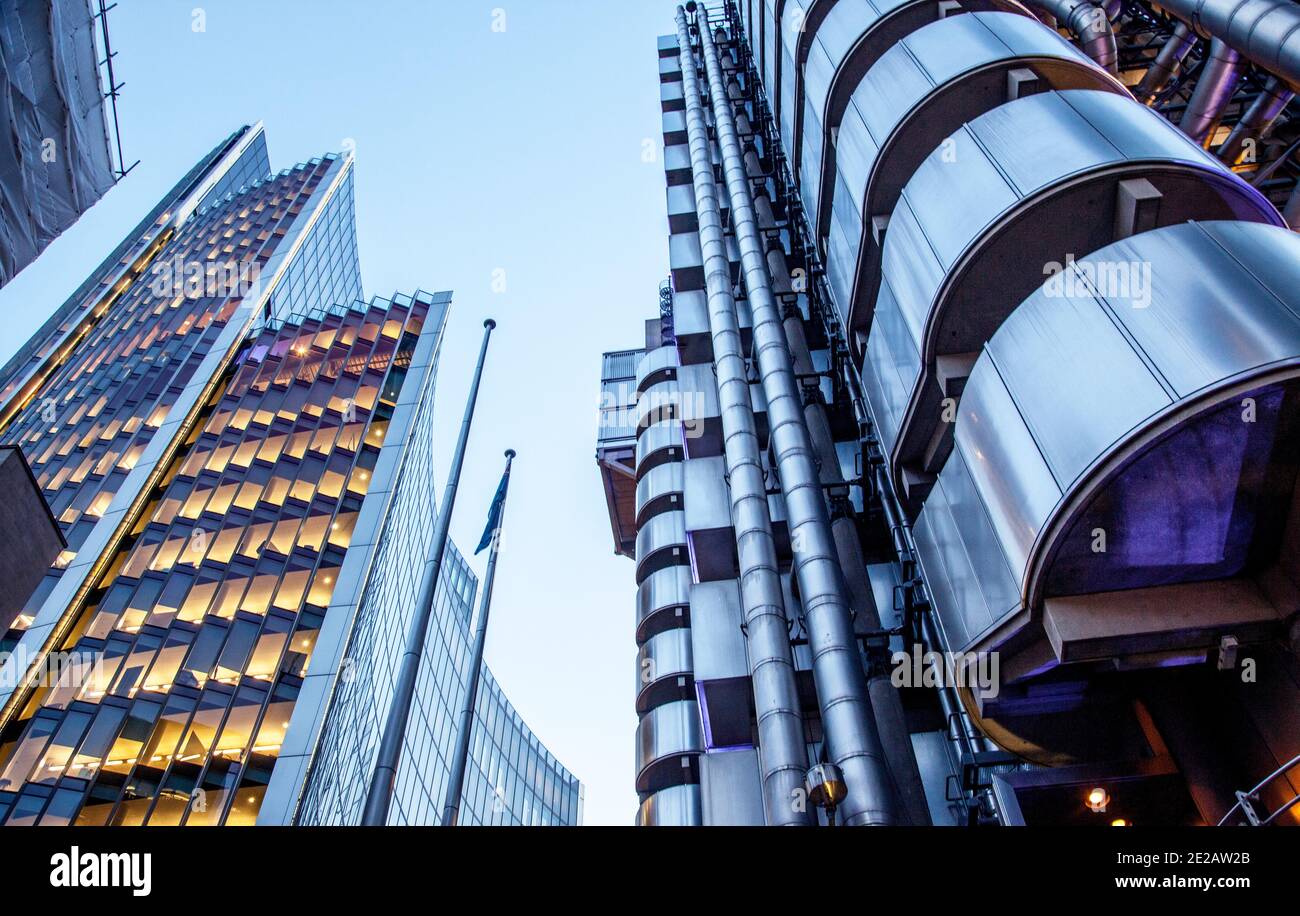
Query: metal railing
[1246, 801]
[114, 87]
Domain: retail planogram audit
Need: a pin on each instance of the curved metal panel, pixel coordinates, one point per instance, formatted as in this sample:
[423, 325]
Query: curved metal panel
[918, 94]
[794, 19]
[770, 65]
[678, 806]
[1066, 424]
[1227, 333]
[980, 223]
[659, 401]
[1178, 318]
[804, 20]
[852, 38]
[847, 44]
[657, 443]
[664, 736]
[659, 490]
[890, 368]
[1008, 472]
[1079, 339]
[663, 601]
[661, 542]
[656, 366]
[965, 567]
[664, 670]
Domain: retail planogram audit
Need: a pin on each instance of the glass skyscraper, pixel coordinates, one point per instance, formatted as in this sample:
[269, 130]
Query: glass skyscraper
[238, 449]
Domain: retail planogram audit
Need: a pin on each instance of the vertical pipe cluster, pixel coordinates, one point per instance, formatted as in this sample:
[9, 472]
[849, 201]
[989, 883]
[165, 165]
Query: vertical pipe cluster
[886, 703]
[771, 661]
[1264, 32]
[1213, 92]
[852, 742]
[1166, 64]
[1257, 121]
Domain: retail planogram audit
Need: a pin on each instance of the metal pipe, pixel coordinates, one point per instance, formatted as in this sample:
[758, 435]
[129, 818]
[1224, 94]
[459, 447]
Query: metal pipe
[1213, 91]
[1166, 64]
[1088, 23]
[459, 759]
[1291, 210]
[851, 739]
[886, 701]
[379, 795]
[1256, 122]
[962, 733]
[1264, 32]
[782, 749]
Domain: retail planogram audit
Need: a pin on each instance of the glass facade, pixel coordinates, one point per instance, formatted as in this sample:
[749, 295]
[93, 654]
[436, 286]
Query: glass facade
[238, 450]
[512, 778]
[85, 428]
[252, 166]
[195, 651]
[241, 149]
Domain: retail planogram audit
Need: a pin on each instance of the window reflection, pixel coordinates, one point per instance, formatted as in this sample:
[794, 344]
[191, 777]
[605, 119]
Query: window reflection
[215, 605]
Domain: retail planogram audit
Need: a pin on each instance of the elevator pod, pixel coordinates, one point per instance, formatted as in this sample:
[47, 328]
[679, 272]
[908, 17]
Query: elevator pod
[1119, 509]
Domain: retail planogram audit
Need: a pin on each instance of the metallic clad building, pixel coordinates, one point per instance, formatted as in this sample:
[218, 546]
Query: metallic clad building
[957, 468]
[234, 445]
[56, 161]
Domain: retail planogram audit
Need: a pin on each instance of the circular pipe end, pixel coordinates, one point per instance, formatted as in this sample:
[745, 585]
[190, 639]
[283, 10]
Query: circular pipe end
[511, 454]
[490, 324]
[690, 6]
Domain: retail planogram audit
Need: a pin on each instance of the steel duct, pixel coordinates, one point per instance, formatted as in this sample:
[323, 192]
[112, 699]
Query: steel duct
[852, 742]
[782, 750]
[1291, 210]
[1214, 89]
[1265, 32]
[1089, 24]
[886, 701]
[1166, 64]
[1257, 121]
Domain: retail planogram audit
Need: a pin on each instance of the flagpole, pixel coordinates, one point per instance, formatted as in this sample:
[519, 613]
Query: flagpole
[459, 760]
[380, 794]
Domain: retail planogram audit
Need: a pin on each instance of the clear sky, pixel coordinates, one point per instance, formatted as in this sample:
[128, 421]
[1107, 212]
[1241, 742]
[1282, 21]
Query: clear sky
[478, 150]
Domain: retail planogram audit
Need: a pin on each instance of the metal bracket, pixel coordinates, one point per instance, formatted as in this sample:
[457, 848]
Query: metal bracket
[1244, 800]
[972, 768]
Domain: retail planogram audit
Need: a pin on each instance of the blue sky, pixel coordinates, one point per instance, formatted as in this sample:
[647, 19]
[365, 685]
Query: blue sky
[477, 151]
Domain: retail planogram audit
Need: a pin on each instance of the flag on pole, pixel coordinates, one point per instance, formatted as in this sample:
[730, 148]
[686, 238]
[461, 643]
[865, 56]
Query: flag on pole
[494, 514]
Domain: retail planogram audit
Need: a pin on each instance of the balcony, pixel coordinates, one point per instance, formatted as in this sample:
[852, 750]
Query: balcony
[616, 445]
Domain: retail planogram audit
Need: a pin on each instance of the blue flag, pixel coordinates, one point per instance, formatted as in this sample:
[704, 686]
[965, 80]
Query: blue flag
[494, 514]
